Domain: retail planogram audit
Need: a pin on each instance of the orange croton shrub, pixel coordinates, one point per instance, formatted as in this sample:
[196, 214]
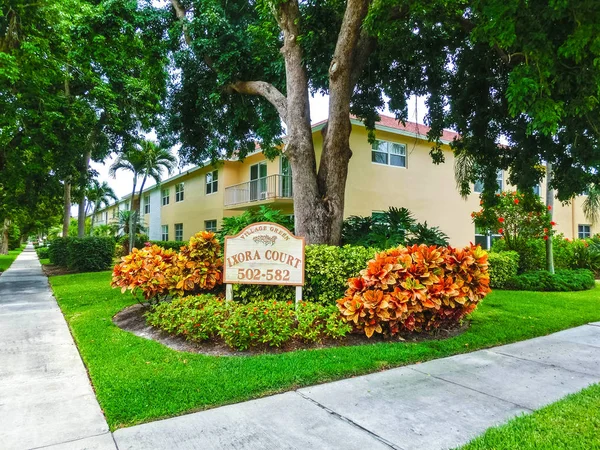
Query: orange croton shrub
[144, 270]
[157, 272]
[197, 267]
[416, 288]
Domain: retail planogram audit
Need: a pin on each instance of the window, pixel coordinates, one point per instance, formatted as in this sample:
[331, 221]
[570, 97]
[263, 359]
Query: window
[212, 182]
[389, 153]
[165, 197]
[478, 185]
[179, 192]
[537, 190]
[165, 232]
[179, 232]
[210, 225]
[485, 238]
[146, 204]
[115, 212]
[584, 231]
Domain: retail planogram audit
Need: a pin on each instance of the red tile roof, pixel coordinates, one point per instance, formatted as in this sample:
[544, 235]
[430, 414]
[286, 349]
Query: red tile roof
[416, 129]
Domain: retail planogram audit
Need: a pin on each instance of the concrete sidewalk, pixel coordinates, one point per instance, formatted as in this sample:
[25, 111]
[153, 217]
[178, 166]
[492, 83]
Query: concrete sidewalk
[435, 405]
[45, 396]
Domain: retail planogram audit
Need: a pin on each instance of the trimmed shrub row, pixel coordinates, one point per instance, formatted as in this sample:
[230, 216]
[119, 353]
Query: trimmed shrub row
[241, 326]
[502, 267]
[563, 280]
[87, 254]
[43, 252]
[326, 279]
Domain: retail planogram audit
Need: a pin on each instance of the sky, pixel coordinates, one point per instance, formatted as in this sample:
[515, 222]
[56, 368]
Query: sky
[319, 109]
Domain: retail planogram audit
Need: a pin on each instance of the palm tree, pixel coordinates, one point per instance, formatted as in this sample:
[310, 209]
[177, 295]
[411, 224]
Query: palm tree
[146, 160]
[98, 196]
[591, 204]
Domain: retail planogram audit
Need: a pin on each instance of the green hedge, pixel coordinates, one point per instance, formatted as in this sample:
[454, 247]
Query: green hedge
[90, 254]
[326, 278]
[173, 245]
[502, 267]
[58, 252]
[562, 280]
[140, 240]
[43, 252]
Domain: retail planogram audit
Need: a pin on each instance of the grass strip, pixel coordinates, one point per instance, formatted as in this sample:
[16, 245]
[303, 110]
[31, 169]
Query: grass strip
[138, 380]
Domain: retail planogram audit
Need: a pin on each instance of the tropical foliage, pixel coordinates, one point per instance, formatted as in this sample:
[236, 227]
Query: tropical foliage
[417, 288]
[157, 272]
[390, 228]
[242, 326]
[234, 224]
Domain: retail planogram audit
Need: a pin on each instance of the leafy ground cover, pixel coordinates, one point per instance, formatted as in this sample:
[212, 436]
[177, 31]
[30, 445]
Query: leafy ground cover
[6, 260]
[571, 423]
[137, 380]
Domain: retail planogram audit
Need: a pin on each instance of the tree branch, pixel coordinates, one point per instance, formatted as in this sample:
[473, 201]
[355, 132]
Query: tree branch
[264, 89]
[180, 13]
[508, 59]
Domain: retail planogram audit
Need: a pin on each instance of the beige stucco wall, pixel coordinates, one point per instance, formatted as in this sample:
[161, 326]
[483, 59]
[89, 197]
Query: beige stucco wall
[426, 189]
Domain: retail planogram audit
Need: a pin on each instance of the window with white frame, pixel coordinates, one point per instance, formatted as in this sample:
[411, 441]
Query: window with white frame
[179, 232]
[584, 231]
[212, 182]
[537, 190]
[210, 225]
[478, 185]
[179, 192]
[389, 153]
[485, 238]
[165, 197]
[146, 204]
[165, 232]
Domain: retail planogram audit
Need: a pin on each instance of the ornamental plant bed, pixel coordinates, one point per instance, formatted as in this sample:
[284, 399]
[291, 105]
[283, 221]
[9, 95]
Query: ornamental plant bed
[51, 270]
[133, 320]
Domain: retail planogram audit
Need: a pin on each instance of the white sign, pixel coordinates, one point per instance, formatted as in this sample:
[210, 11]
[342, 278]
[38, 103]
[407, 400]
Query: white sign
[264, 253]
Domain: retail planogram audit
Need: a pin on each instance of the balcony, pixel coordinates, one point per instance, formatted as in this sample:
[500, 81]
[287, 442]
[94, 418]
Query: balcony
[274, 190]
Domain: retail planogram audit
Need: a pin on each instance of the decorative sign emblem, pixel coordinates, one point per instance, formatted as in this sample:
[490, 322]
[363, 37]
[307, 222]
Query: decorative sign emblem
[264, 253]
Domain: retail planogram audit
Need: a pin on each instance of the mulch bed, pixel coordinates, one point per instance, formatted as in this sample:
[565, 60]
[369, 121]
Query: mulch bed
[51, 270]
[132, 319]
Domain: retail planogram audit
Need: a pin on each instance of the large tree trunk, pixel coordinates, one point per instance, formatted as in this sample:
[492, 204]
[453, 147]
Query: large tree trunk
[84, 180]
[4, 238]
[66, 208]
[319, 196]
[550, 205]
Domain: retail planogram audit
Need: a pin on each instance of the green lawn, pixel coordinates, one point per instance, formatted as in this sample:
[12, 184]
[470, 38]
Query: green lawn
[6, 260]
[571, 423]
[137, 380]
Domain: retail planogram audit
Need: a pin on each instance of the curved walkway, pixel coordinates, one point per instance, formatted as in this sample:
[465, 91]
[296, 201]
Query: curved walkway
[45, 396]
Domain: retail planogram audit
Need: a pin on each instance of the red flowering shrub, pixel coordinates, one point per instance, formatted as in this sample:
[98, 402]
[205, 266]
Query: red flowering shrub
[144, 270]
[416, 288]
[517, 218]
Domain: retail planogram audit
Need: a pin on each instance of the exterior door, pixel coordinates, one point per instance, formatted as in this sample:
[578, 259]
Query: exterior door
[258, 181]
[286, 178]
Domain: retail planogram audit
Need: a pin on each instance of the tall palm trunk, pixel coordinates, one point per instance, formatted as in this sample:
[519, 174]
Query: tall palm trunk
[81, 212]
[550, 205]
[66, 208]
[132, 218]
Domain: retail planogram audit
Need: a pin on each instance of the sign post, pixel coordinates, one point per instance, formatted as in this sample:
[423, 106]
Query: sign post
[264, 253]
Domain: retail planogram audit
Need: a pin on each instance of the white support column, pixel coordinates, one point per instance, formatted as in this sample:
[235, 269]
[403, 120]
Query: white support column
[229, 292]
[298, 295]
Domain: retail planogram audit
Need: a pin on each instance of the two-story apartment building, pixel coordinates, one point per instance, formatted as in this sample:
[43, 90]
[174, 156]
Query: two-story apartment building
[396, 171]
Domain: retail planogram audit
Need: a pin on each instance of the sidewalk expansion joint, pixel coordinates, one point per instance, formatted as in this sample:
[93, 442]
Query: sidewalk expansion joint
[578, 372]
[350, 422]
[73, 440]
[471, 389]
